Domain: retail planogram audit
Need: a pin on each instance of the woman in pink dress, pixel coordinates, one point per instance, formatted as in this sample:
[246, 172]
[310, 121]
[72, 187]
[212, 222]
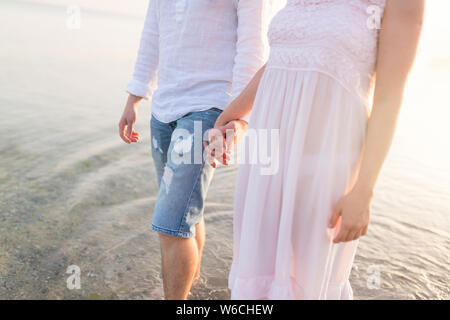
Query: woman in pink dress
[296, 231]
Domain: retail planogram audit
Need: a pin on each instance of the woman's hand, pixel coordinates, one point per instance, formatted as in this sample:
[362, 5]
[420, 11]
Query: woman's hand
[354, 211]
[238, 108]
[128, 119]
[233, 131]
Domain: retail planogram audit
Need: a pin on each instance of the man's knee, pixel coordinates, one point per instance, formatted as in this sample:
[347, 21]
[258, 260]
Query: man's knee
[167, 238]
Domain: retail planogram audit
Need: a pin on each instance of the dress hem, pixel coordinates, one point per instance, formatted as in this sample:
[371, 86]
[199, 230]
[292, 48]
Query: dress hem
[269, 288]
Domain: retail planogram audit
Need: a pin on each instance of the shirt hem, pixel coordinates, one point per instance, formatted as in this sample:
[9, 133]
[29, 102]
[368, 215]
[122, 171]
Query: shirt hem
[182, 114]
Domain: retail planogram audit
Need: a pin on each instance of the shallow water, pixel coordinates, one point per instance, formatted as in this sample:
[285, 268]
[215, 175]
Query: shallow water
[71, 193]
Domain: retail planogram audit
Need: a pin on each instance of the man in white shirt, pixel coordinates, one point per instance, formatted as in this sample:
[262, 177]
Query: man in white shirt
[202, 53]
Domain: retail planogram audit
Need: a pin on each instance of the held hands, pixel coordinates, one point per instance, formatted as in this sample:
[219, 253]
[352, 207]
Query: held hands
[222, 138]
[353, 210]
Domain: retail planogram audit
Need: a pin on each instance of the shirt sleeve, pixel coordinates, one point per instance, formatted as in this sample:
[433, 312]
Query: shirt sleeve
[144, 76]
[252, 46]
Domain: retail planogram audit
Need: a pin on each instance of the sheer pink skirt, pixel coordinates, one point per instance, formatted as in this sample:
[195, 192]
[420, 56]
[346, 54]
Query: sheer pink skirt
[283, 247]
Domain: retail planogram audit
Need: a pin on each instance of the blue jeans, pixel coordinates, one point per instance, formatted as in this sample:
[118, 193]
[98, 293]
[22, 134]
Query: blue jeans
[183, 176]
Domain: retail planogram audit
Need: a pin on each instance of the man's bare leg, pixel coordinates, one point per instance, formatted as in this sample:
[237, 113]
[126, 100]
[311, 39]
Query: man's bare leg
[200, 235]
[179, 258]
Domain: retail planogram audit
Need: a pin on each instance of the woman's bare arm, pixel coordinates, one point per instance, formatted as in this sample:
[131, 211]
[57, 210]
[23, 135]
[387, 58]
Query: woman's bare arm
[243, 104]
[397, 50]
[398, 41]
[228, 122]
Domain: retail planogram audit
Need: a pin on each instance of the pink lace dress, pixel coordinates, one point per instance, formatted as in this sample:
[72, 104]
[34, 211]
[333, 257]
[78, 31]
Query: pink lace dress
[316, 90]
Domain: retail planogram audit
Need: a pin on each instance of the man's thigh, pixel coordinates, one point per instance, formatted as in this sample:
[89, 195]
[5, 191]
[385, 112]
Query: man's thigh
[186, 178]
[161, 135]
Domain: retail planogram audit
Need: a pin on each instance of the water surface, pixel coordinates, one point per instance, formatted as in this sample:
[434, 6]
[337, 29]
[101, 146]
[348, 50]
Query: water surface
[72, 193]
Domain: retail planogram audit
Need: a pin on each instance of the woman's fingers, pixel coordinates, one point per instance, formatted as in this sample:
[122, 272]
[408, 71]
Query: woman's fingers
[365, 230]
[357, 235]
[354, 235]
[228, 132]
[348, 234]
[342, 235]
[335, 213]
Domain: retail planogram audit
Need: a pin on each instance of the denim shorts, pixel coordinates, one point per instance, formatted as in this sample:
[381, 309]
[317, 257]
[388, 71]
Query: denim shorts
[183, 176]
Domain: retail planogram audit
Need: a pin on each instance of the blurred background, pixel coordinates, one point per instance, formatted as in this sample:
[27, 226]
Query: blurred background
[72, 193]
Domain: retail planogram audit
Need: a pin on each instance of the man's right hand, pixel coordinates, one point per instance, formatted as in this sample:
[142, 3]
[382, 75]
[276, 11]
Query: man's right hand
[128, 119]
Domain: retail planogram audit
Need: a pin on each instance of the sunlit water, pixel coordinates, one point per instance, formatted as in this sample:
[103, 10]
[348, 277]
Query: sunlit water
[71, 193]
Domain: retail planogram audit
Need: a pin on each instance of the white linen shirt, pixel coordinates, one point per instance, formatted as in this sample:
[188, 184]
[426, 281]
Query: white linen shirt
[199, 54]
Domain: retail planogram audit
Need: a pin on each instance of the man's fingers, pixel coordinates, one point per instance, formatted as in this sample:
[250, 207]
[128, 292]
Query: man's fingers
[209, 149]
[209, 154]
[134, 138]
[122, 128]
[129, 129]
[216, 146]
[124, 136]
[218, 149]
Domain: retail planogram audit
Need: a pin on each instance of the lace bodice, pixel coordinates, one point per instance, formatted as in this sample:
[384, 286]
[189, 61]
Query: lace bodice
[336, 37]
